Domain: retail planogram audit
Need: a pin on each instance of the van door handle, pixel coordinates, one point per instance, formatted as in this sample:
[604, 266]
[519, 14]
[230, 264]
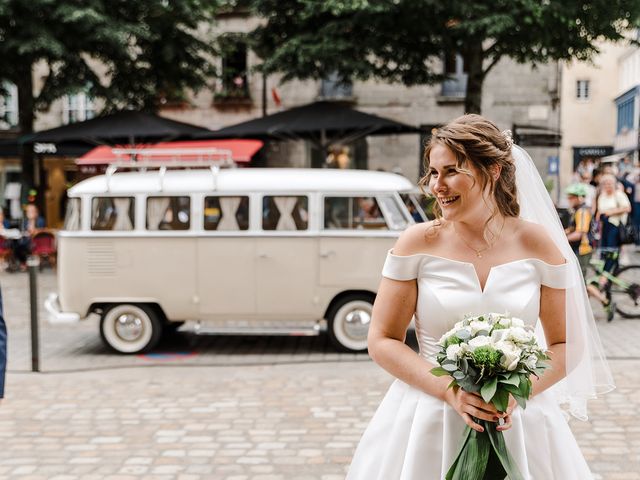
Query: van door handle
[327, 254]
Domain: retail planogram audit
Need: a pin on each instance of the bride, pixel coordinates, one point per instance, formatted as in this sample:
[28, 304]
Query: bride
[496, 246]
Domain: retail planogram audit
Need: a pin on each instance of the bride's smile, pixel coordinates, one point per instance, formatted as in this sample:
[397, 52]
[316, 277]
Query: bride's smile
[457, 190]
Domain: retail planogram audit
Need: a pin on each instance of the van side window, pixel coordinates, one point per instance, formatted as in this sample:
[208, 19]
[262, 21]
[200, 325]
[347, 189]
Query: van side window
[226, 213]
[346, 213]
[112, 213]
[285, 212]
[72, 215]
[168, 213]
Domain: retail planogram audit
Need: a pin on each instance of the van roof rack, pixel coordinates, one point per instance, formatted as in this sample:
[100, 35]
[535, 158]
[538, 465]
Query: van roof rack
[163, 165]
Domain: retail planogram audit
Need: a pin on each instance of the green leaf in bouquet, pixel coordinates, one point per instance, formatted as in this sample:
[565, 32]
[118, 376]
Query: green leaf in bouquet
[439, 372]
[489, 389]
[522, 402]
[501, 399]
[511, 380]
[525, 387]
[467, 385]
[464, 364]
[453, 383]
[458, 375]
[514, 391]
[450, 367]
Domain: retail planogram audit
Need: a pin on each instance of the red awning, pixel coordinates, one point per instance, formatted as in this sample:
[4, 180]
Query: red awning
[241, 151]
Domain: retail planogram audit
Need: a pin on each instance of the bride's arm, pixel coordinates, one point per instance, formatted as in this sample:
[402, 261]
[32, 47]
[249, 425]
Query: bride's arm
[552, 317]
[552, 309]
[392, 313]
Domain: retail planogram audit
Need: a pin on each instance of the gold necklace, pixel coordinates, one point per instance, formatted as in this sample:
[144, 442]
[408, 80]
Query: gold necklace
[476, 251]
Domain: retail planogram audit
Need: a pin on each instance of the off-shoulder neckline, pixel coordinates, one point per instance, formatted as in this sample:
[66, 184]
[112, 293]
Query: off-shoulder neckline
[482, 287]
[471, 263]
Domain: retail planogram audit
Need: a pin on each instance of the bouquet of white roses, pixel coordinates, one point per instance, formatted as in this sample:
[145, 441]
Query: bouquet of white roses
[492, 355]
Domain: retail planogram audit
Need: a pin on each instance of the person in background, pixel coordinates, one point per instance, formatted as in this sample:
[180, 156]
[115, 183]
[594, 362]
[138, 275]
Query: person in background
[578, 230]
[590, 198]
[578, 236]
[4, 221]
[3, 349]
[32, 220]
[635, 204]
[31, 223]
[612, 209]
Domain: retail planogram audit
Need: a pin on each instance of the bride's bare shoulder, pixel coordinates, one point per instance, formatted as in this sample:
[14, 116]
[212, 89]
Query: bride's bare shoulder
[418, 238]
[536, 241]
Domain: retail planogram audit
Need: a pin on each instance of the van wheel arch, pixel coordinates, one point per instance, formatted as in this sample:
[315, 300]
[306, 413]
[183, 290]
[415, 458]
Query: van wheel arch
[348, 317]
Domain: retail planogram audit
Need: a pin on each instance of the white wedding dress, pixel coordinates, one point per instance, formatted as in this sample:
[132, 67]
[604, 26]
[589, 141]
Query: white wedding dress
[415, 436]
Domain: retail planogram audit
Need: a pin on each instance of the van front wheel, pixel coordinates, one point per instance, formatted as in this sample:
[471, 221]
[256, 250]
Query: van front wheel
[128, 328]
[349, 321]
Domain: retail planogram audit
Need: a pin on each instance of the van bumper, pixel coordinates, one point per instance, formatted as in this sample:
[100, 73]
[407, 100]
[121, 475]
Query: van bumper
[56, 315]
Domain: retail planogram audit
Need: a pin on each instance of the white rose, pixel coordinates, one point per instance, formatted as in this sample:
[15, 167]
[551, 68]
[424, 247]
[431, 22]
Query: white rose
[478, 326]
[481, 341]
[505, 322]
[510, 354]
[453, 352]
[516, 322]
[519, 335]
[499, 335]
[531, 361]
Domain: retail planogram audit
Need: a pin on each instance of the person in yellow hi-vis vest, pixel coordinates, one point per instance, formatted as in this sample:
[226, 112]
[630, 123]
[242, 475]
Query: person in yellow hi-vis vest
[578, 236]
[578, 230]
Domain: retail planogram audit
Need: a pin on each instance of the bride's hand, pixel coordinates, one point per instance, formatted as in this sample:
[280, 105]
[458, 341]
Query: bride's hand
[507, 416]
[472, 405]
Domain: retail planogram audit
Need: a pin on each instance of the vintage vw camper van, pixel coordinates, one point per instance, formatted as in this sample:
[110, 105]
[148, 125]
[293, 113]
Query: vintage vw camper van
[258, 251]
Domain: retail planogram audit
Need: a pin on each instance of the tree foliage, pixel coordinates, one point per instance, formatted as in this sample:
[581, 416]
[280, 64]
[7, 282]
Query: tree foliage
[405, 40]
[129, 53]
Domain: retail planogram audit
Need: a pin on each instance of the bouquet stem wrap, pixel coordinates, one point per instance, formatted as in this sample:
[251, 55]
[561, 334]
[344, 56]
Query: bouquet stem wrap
[483, 456]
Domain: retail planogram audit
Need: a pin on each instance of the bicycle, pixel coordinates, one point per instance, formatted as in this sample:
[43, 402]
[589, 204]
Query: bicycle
[622, 287]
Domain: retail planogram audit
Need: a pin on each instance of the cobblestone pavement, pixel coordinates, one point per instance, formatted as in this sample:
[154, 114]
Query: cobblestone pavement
[233, 408]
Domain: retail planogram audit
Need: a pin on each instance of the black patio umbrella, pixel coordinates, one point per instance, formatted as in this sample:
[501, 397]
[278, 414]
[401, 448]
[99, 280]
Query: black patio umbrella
[322, 123]
[117, 128]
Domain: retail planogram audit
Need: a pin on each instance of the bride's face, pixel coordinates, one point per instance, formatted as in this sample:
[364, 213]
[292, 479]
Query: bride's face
[458, 193]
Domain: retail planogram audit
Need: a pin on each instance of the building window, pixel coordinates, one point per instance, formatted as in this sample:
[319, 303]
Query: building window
[234, 69]
[625, 115]
[582, 89]
[9, 107]
[456, 70]
[78, 108]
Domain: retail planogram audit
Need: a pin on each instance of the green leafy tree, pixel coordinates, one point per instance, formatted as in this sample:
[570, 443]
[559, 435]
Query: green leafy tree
[129, 53]
[405, 40]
